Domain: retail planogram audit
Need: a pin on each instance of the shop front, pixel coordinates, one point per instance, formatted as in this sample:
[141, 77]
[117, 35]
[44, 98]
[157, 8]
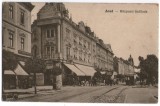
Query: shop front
[22, 78]
[129, 78]
[9, 79]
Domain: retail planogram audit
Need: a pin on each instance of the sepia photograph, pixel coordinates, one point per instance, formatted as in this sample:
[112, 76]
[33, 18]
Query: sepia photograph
[78, 52]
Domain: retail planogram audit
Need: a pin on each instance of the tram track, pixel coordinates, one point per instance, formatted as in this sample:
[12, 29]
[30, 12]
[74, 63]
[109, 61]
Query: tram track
[109, 96]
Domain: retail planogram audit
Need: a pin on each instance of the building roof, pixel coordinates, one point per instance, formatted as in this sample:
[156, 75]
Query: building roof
[108, 46]
[27, 5]
[53, 7]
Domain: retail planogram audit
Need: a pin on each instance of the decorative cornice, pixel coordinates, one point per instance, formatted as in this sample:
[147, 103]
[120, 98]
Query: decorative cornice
[27, 5]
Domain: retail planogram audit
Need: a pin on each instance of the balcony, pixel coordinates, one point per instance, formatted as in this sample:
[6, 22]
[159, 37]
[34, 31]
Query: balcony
[54, 56]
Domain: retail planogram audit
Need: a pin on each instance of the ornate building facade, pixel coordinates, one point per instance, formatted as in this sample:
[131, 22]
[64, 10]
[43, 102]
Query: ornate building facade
[59, 40]
[16, 32]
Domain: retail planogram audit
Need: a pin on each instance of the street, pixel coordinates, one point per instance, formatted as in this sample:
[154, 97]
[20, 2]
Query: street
[103, 55]
[97, 94]
[141, 95]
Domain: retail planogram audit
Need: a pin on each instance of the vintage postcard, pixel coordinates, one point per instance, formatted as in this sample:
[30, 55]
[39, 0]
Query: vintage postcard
[80, 52]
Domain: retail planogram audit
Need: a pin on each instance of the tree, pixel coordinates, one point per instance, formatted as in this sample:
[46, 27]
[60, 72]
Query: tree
[35, 65]
[9, 62]
[149, 68]
[151, 65]
[142, 69]
[97, 75]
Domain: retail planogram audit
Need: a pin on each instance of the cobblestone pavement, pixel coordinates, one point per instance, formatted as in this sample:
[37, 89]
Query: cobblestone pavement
[97, 94]
[74, 94]
[116, 95]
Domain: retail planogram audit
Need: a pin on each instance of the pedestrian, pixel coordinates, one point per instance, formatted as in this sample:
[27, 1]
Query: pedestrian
[110, 82]
[79, 82]
[83, 83]
[154, 81]
[73, 82]
[90, 82]
[87, 83]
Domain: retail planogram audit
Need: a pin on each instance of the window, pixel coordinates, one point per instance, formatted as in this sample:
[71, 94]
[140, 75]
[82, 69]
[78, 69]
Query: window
[11, 11]
[88, 45]
[75, 42]
[80, 55]
[89, 58]
[67, 33]
[50, 33]
[75, 54]
[58, 7]
[22, 17]
[67, 52]
[11, 39]
[48, 52]
[52, 51]
[22, 43]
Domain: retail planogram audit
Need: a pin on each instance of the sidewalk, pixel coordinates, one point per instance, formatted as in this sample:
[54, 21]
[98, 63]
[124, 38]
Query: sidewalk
[24, 93]
[154, 91]
[41, 90]
[29, 90]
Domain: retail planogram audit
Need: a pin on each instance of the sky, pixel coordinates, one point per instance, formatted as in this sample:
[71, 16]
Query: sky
[128, 33]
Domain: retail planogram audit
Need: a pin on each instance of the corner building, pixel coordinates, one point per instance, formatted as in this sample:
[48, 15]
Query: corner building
[70, 46]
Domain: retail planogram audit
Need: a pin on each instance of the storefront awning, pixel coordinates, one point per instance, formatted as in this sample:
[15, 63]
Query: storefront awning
[75, 70]
[22, 63]
[89, 71]
[9, 72]
[19, 71]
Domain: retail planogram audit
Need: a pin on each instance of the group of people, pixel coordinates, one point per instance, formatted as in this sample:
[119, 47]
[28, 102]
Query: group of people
[91, 82]
[95, 82]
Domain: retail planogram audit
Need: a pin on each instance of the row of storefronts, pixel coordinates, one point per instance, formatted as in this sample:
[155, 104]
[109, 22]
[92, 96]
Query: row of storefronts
[17, 78]
[54, 37]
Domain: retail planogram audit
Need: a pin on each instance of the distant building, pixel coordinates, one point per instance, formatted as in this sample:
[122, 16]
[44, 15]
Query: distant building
[16, 34]
[74, 47]
[125, 68]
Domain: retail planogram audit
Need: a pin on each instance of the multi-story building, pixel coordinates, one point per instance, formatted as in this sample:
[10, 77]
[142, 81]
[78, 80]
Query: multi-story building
[16, 31]
[74, 47]
[124, 67]
[104, 58]
[109, 57]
